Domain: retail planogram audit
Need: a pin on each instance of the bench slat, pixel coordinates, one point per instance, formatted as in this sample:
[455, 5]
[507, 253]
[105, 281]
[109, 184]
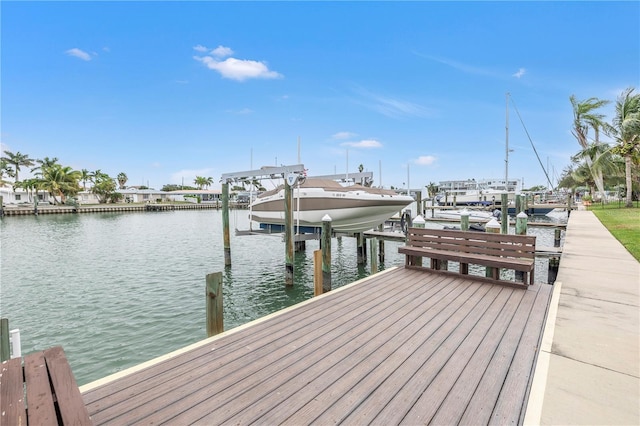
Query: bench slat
[70, 403]
[12, 406]
[519, 264]
[41, 408]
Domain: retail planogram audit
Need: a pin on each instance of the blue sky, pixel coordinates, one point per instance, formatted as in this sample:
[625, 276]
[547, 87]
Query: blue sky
[413, 91]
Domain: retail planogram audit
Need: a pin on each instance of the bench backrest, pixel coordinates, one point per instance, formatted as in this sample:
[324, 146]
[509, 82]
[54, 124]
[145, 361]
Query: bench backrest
[518, 246]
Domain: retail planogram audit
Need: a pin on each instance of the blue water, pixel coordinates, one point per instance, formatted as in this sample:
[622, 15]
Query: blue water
[119, 289]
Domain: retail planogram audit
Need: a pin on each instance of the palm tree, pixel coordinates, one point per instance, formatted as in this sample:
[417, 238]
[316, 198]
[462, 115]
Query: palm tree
[44, 164]
[18, 159]
[60, 181]
[85, 175]
[432, 189]
[5, 169]
[122, 179]
[626, 132]
[585, 118]
[200, 181]
[208, 182]
[600, 161]
[31, 185]
[104, 186]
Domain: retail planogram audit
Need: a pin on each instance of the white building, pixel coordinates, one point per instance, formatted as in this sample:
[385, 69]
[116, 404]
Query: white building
[22, 196]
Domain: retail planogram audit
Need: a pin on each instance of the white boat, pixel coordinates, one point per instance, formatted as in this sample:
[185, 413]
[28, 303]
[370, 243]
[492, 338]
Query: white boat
[474, 216]
[354, 208]
[476, 193]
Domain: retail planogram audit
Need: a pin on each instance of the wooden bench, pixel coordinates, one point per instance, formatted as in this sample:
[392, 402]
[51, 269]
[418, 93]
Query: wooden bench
[42, 392]
[516, 252]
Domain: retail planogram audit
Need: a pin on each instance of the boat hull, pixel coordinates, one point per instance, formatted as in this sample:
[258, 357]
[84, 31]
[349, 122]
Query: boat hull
[356, 211]
[455, 214]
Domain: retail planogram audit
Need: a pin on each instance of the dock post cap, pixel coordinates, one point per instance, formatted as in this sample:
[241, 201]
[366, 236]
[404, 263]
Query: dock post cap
[493, 223]
[464, 212]
[419, 219]
[326, 218]
[522, 215]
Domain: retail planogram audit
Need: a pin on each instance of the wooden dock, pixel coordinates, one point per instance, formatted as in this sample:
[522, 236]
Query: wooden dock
[399, 347]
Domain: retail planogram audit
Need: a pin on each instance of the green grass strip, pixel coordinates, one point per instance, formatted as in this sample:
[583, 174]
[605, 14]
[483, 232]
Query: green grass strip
[623, 223]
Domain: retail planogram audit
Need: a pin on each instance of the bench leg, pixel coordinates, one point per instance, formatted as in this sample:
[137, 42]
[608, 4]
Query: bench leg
[444, 265]
[464, 268]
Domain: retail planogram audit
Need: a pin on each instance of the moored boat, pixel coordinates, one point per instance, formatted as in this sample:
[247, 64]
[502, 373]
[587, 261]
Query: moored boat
[353, 208]
[480, 216]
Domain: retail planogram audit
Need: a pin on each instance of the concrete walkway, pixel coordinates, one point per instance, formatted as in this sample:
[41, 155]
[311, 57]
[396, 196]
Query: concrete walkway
[588, 370]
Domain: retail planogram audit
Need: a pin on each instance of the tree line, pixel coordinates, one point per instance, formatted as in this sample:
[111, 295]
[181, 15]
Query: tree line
[63, 183]
[598, 164]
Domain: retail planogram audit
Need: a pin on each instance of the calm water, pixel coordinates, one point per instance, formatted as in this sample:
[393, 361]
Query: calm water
[116, 290]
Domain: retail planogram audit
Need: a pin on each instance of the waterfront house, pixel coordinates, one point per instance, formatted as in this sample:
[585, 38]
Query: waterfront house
[11, 196]
[206, 196]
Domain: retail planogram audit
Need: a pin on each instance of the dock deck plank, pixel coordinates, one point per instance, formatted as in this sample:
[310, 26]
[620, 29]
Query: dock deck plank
[404, 346]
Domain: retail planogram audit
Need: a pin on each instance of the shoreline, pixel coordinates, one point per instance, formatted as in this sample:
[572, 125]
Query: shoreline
[111, 208]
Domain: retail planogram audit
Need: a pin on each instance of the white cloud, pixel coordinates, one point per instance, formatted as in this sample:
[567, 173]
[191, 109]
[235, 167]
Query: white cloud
[200, 48]
[466, 68]
[238, 69]
[365, 143]
[78, 54]
[520, 73]
[391, 107]
[425, 160]
[222, 52]
[343, 135]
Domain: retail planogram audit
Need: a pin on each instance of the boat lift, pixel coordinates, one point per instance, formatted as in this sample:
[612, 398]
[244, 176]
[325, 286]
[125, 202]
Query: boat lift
[290, 174]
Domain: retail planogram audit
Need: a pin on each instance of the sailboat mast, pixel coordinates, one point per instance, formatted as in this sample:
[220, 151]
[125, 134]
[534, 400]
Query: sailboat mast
[506, 154]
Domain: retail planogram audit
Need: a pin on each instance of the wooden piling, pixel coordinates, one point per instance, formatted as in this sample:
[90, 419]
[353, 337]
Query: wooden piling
[521, 229]
[1, 206]
[364, 248]
[326, 253]
[381, 245]
[554, 265]
[5, 352]
[374, 256]
[556, 237]
[317, 272]
[518, 204]
[521, 223]
[288, 234]
[464, 220]
[225, 224]
[360, 249]
[419, 222]
[504, 216]
[215, 323]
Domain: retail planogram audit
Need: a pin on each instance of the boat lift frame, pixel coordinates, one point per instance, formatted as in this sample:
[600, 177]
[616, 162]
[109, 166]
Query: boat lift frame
[291, 175]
